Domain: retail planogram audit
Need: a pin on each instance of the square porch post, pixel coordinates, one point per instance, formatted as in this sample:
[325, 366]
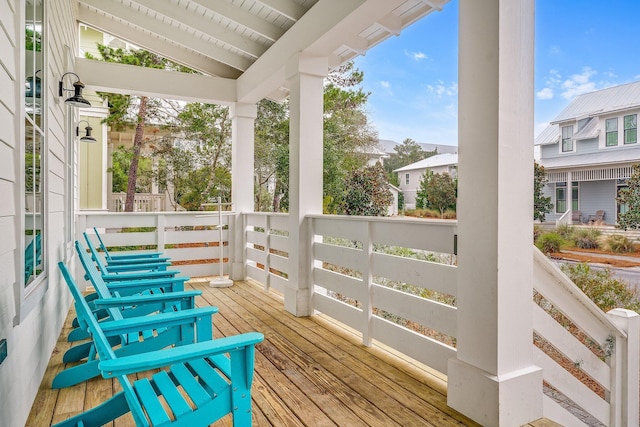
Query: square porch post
[493, 380]
[306, 78]
[242, 159]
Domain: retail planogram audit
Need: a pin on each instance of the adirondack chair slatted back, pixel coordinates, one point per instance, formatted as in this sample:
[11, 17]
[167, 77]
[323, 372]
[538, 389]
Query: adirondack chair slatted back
[101, 244]
[105, 352]
[94, 254]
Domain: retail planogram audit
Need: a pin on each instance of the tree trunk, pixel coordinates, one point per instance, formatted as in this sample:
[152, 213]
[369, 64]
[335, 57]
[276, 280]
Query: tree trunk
[138, 141]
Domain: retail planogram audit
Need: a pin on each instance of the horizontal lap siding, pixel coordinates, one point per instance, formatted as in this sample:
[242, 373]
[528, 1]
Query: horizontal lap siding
[32, 339]
[599, 195]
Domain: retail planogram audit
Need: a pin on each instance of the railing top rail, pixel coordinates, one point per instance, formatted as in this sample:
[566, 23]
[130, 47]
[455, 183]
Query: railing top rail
[404, 219]
[562, 280]
[166, 213]
[265, 213]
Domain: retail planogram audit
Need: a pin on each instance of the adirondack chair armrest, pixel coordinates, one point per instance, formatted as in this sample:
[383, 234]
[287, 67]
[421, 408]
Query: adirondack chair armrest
[126, 301]
[119, 277]
[136, 267]
[138, 261]
[158, 359]
[171, 284]
[176, 318]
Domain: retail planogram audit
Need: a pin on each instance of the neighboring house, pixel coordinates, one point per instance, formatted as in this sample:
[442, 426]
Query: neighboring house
[411, 175]
[387, 146]
[393, 207]
[588, 151]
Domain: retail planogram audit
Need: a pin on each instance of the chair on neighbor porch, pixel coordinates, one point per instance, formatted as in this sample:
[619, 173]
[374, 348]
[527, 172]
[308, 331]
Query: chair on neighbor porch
[576, 217]
[598, 217]
[164, 320]
[197, 384]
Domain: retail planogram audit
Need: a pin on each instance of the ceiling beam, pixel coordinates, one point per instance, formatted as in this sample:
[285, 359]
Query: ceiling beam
[169, 32]
[205, 26]
[288, 8]
[153, 82]
[146, 41]
[242, 17]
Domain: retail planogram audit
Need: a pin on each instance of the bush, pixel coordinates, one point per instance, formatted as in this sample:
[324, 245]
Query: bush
[586, 238]
[550, 242]
[565, 230]
[537, 232]
[619, 243]
[602, 288]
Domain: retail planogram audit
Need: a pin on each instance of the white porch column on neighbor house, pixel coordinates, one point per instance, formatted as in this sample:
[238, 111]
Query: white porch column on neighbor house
[569, 196]
[306, 78]
[243, 118]
[493, 380]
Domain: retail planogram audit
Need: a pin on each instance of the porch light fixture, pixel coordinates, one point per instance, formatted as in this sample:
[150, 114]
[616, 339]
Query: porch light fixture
[33, 86]
[77, 100]
[87, 137]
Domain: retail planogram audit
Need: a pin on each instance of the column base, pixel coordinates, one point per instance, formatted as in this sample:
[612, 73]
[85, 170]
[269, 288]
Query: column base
[238, 271]
[513, 399]
[297, 302]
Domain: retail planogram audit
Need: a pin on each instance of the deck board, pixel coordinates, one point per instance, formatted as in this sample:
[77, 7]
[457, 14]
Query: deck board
[308, 372]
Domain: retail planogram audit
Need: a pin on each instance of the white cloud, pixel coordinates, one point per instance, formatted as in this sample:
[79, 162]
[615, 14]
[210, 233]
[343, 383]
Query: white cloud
[546, 93]
[385, 84]
[440, 89]
[578, 84]
[416, 56]
[555, 50]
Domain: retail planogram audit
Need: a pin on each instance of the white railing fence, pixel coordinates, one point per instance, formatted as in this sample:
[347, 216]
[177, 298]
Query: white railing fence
[590, 359]
[190, 239]
[143, 202]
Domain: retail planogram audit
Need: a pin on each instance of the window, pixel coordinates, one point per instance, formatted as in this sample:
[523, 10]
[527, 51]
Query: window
[611, 132]
[406, 178]
[567, 138]
[574, 196]
[631, 129]
[561, 197]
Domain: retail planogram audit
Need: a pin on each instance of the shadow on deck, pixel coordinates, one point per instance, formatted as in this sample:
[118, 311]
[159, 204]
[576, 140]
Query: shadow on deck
[308, 372]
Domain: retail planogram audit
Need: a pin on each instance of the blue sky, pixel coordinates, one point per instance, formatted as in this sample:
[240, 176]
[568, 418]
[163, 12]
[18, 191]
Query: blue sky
[581, 46]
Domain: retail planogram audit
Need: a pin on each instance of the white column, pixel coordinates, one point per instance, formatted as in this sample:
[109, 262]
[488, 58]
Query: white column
[569, 196]
[242, 164]
[306, 77]
[493, 379]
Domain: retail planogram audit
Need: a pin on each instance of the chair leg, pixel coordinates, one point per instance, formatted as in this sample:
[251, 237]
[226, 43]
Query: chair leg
[106, 412]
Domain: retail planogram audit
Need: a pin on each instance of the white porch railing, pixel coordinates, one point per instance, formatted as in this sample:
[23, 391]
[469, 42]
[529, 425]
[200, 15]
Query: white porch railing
[395, 281]
[143, 202]
[190, 239]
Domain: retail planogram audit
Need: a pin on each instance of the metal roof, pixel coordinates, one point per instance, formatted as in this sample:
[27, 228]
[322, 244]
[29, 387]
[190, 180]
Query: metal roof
[616, 98]
[611, 156]
[431, 162]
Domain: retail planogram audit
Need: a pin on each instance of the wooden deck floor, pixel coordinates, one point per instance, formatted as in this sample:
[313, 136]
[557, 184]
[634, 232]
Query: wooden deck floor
[308, 372]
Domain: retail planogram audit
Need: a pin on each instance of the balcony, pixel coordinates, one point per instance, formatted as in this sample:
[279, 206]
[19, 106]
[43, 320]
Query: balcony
[377, 348]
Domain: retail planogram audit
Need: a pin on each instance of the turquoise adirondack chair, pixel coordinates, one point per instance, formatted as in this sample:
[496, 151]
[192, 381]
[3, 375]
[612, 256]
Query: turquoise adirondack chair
[131, 272]
[196, 385]
[139, 257]
[172, 288]
[32, 256]
[152, 264]
[174, 322]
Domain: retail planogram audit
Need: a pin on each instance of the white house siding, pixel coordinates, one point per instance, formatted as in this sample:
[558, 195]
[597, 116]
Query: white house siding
[31, 335]
[598, 195]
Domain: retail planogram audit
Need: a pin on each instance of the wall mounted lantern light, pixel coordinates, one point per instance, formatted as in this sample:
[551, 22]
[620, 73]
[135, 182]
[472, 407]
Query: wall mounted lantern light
[87, 137]
[77, 100]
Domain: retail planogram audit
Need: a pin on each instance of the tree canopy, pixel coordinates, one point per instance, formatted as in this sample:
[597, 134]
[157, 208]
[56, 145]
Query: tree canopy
[541, 205]
[630, 197]
[367, 192]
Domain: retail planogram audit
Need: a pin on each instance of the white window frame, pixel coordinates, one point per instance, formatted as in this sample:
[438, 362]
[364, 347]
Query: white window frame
[567, 138]
[406, 178]
[606, 132]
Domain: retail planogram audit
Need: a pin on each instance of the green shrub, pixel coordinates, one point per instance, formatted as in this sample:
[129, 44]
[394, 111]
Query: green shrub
[619, 243]
[586, 238]
[537, 232]
[602, 288]
[565, 230]
[550, 242]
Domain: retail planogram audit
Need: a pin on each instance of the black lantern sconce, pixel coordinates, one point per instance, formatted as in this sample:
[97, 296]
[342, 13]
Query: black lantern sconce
[87, 137]
[77, 100]
[33, 86]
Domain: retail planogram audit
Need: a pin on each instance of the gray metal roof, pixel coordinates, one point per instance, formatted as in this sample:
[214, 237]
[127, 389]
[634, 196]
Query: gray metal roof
[615, 98]
[550, 135]
[431, 162]
[601, 158]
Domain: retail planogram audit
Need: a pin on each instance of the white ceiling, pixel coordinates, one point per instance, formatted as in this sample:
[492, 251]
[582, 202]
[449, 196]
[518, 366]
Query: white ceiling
[249, 41]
